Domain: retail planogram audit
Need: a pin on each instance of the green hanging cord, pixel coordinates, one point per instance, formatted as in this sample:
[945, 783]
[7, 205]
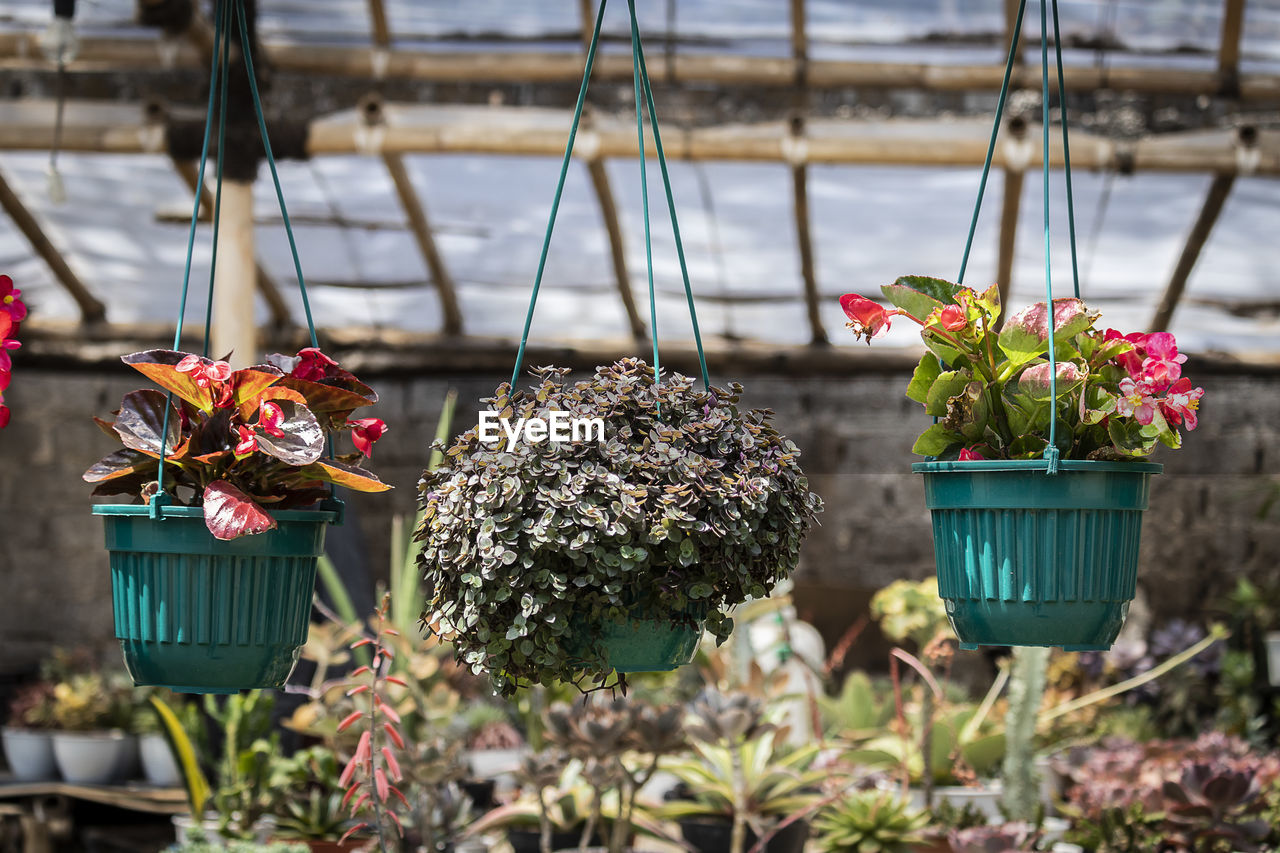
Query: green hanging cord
[1051, 451]
[644, 196]
[671, 207]
[995, 131]
[555, 204]
[161, 497]
[217, 195]
[245, 48]
[1066, 153]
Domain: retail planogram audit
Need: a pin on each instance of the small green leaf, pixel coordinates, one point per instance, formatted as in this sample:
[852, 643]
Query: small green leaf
[927, 371]
[947, 385]
[935, 441]
[919, 295]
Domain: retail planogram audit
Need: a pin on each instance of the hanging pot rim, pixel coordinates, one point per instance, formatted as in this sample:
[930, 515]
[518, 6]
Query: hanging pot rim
[1028, 465]
[170, 511]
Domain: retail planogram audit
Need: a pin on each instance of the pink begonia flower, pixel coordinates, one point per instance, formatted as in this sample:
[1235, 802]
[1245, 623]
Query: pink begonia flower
[203, 371]
[968, 455]
[313, 365]
[950, 317]
[1163, 364]
[1136, 401]
[1181, 403]
[364, 432]
[4, 413]
[1131, 361]
[869, 319]
[10, 303]
[270, 416]
[247, 443]
[8, 328]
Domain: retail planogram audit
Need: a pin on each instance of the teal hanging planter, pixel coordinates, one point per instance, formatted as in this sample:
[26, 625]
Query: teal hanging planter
[641, 641]
[203, 615]
[1026, 558]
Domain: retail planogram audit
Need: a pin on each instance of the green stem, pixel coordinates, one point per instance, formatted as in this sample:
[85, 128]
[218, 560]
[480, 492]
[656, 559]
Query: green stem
[739, 836]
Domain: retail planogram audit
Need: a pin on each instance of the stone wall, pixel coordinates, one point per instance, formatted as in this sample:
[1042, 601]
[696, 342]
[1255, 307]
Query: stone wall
[856, 432]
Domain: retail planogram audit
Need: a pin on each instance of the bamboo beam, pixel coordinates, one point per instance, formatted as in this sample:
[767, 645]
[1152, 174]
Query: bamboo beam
[280, 315]
[1200, 231]
[1229, 48]
[91, 309]
[1013, 180]
[800, 174]
[587, 16]
[617, 248]
[416, 129]
[378, 27]
[233, 328]
[21, 52]
[421, 228]
[1010, 20]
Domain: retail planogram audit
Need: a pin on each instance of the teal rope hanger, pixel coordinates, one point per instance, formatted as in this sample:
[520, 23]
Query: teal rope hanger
[643, 91]
[228, 12]
[1051, 453]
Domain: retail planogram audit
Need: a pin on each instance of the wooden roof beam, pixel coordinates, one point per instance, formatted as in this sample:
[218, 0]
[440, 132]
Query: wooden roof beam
[796, 154]
[1214, 201]
[91, 308]
[379, 29]
[1229, 48]
[281, 316]
[421, 228]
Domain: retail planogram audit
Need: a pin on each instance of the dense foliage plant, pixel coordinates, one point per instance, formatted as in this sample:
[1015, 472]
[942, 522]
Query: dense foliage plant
[238, 442]
[12, 312]
[32, 706]
[688, 506]
[1118, 396]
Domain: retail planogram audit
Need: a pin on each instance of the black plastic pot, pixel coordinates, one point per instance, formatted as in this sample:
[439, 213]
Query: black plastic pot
[526, 840]
[713, 835]
[480, 792]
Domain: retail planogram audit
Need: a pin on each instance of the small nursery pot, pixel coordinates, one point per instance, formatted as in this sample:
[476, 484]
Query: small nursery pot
[645, 640]
[95, 758]
[198, 614]
[30, 754]
[525, 840]
[714, 835]
[158, 765]
[1026, 558]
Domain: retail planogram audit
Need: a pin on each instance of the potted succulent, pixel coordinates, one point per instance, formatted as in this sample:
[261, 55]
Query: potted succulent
[91, 744]
[27, 736]
[213, 569]
[550, 559]
[309, 807]
[741, 785]
[1037, 477]
[871, 821]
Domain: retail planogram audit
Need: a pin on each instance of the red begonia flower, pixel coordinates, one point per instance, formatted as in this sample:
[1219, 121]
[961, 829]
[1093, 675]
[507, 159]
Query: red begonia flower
[4, 416]
[364, 432]
[968, 455]
[203, 371]
[1136, 401]
[1163, 364]
[6, 363]
[270, 416]
[248, 442]
[868, 318]
[950, 317]
[313, 365]
[1181, 403]
[8, 327]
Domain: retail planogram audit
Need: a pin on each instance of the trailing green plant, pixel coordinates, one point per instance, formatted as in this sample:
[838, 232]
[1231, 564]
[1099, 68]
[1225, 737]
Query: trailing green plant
[870, 822]
[686, 508]
[238, 442]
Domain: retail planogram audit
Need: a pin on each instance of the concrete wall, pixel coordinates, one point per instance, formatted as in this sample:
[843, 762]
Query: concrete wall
[856, 433]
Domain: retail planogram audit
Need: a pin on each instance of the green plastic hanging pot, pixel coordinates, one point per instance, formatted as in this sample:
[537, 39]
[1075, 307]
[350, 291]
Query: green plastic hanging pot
[198, 614]
[642, 640]
[1026, 558]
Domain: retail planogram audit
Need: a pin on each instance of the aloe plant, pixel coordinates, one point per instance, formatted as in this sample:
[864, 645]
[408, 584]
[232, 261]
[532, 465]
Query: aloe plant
[870, 822]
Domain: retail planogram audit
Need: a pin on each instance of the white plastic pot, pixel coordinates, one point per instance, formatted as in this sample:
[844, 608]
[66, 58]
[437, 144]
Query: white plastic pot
[985, 798]
[95, 758]
[1273, 658]
[29, 753]
[158, 764]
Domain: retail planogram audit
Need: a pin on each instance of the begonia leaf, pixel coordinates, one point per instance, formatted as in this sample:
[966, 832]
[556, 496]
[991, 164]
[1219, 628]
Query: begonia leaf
[229, 513]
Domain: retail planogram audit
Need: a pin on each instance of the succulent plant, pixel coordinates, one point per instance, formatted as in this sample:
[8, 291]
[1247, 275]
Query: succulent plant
[1210, 805]
[870, 822]
[686, 508]
[1006, 838]
[726, 718]
[33, 706]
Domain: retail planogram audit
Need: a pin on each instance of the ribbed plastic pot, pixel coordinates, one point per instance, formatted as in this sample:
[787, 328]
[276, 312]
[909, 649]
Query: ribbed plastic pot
[1026, 558]
[642, 641]
[198, 614]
